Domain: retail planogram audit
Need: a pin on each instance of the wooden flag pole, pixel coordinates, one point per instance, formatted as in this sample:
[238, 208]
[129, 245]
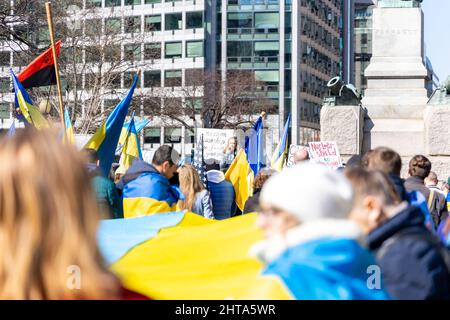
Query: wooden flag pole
[48, 8]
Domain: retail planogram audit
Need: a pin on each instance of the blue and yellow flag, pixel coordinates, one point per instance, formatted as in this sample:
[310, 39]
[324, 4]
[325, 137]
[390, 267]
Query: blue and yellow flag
[181, 255]
[69, 137]
[254, 148]
[185, 256]
[139, 125]
[29, 112]
[241, 176]
[131, 148]
[279, 156]
[107, 136]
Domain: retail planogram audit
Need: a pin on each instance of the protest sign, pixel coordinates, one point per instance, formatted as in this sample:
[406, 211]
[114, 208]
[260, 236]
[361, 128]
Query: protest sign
[292, 149]
[326, 153]
[214, 141]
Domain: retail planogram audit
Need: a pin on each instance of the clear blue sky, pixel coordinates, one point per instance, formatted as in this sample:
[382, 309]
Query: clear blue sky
[437, 35]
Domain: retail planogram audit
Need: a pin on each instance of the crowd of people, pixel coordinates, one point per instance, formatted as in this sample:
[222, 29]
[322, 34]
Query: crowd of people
[330, 230]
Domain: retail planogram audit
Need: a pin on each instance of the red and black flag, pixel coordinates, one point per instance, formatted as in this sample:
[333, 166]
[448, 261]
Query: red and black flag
[40, 72]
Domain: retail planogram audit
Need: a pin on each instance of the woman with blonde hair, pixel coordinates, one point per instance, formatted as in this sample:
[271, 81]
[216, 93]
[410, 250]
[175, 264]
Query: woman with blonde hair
[197, 198]
[48, 223]
[229, 153]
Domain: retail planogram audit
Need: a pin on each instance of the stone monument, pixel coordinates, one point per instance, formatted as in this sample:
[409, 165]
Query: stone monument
[395, 107]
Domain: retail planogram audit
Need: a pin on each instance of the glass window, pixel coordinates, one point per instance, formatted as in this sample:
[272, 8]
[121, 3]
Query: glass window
[267, 75]
[194, 49]
[44, 35]
[128, 78]
[194, 20]
[152, 1]
[240, 20]
[132, 2]
[4, 111]
[152, 135]
[172, 78]
[239, 48]
[173, 21]
[132, 52]
[92, 27]
[173, 50]
[133, 25]
[194, 77]
[153, 23]
[112, 3]
[267, 48]
[269, 20]
[152, 51]
[93, 3]
[5, 59]
[4, 85]
[113, 26]
[112, 53]
[172, 135]
[152, 79]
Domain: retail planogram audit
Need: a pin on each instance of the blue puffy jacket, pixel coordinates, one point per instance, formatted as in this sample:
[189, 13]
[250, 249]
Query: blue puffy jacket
[411, 258]
[222, 195]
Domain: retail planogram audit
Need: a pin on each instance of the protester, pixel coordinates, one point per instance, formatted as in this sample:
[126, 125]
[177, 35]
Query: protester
[48, 223]
[301, 155]
[432, 181]
[197, 198]
[229, 153]
[388, 161]
[310, 242]
[419, 169]
[222, 191]
[107, 195]
[252, 204]
[412, 260]
[146, 188]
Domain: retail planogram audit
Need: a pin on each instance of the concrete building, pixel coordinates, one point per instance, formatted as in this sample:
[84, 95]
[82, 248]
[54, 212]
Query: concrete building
[292, 47]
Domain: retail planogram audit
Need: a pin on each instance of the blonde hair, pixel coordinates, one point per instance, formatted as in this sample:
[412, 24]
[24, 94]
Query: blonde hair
[190, 185]
[48, 222]
[236, 149]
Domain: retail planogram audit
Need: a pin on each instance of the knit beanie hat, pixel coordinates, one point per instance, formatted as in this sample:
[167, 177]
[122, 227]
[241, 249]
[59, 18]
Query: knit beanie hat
[309, 192]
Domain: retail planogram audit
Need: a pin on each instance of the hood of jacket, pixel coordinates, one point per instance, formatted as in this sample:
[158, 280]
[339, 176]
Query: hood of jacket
[270, 249]
[412, 216]
[137, 168]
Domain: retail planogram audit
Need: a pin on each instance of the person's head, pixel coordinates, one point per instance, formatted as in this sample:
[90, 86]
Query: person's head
[374, 198]
[190, 185]
[48, 221]
[232, 145]
[432, 179]
[91, 156]
[262, 177]
[383, 159]
[303, 194]
[301, 155]
[354, 162]
[212, 164]
[165, 160]
[419, 166]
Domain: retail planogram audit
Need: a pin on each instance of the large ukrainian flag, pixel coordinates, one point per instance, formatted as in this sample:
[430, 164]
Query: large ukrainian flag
[107, 136]
[279, 156]
[185, 256]
[28, 111]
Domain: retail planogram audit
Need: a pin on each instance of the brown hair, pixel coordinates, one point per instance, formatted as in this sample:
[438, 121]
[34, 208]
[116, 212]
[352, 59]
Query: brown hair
[48, 222]
[190, 185]
[373, 183]
[383, 159]
[419, 166]
[262, 177]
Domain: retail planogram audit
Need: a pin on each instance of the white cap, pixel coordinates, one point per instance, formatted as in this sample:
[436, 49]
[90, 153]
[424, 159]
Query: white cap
[309, 192]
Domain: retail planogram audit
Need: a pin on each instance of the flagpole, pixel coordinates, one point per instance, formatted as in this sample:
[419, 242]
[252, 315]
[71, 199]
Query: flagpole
[48, 8]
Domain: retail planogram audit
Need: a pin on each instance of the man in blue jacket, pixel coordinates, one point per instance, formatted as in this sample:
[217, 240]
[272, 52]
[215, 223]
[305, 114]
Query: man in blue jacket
[222, 191]
[414, 264]
[146, 188]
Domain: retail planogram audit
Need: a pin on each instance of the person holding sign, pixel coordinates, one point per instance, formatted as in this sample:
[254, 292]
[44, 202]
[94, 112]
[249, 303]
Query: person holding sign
[229, 153]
